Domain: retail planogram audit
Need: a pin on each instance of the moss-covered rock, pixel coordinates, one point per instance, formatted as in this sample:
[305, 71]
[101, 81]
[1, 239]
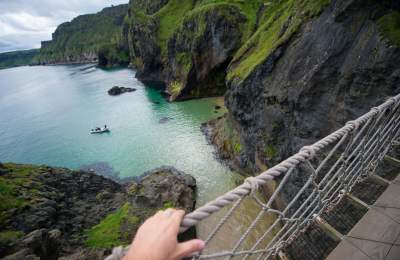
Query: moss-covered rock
[389, 25]
[189, 43]
[51, 212]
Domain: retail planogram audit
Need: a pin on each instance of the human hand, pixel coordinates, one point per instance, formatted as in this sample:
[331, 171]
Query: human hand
[157, 239]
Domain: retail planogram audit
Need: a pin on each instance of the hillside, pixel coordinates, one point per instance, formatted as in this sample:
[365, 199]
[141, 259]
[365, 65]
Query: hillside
[88, 38]
[17, 58]
[291, 71]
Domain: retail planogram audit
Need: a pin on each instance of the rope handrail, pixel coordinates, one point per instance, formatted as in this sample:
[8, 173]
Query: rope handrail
[328, 169]
[305, 153]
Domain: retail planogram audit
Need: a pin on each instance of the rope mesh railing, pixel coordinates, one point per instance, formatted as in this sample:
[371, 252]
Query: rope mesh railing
[318, 176]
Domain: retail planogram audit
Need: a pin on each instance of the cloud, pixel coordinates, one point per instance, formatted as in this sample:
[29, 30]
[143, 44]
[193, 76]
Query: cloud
[25, 23]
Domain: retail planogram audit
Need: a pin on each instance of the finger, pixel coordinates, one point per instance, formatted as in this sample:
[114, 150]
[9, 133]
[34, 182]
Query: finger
[176, 219]
[169, 212]
[187, 248]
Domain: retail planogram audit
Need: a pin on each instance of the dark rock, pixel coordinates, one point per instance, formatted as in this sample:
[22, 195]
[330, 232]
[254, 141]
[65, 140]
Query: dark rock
[114, 91]
[217, 107]
[166, 186]
[295, 97]
[2, 169]
[164, 120]
[53, 228]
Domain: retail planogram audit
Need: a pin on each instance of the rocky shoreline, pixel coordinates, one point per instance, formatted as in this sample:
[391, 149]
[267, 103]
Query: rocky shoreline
[58, 213]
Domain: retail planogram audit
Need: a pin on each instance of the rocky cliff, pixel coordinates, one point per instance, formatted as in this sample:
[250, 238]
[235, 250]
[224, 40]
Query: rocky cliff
[314, 68]
[292, 71]
[187, 45]
[51, 213]
[88, 38]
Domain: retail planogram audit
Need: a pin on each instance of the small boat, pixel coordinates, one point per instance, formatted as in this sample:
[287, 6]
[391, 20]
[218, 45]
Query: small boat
[100, 130]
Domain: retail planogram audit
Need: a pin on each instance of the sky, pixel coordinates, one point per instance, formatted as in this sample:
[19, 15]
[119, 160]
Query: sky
[25, 23]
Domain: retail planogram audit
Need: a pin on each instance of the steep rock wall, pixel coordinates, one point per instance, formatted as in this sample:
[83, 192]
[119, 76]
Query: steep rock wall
[333, 69]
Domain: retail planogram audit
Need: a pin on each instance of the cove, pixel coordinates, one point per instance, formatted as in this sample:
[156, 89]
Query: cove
[46, 113]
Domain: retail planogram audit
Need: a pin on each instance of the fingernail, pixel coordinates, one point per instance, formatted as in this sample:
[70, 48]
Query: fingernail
[201, 244]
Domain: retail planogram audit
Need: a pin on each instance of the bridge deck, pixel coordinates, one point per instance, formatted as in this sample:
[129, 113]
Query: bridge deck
[377, 235]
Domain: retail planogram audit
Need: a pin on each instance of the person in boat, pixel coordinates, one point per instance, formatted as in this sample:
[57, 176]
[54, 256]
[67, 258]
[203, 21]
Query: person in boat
[105, 126]
[97, 128]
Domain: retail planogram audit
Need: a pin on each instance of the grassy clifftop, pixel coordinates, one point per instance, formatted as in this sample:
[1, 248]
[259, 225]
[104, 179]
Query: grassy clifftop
[81, 39]
[17, 58]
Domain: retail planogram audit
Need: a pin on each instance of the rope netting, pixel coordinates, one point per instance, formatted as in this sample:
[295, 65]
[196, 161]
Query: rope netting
[310, 183]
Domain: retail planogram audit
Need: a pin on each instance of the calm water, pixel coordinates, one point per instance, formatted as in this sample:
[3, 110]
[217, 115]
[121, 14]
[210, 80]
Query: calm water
[46, 114]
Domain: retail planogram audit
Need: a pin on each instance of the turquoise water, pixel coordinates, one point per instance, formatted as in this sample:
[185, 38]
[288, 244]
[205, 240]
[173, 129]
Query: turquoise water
[46, 113]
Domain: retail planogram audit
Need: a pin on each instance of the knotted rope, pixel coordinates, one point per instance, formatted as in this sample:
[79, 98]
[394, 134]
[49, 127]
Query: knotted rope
[343, 158]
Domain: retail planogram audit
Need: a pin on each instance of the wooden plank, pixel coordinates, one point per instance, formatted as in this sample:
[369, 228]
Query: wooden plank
[391, 160]
[356, 201]
[328, 229]
[379, 180]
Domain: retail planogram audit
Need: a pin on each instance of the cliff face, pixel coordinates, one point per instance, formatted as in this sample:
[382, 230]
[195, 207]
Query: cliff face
[48, 213]
[187, 45]
[88, 38]
[302, 75]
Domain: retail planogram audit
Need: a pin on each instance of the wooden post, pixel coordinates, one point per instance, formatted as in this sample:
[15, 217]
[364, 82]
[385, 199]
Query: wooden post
[329, 230]
[393, 161]
[357, 202]
[379, 180]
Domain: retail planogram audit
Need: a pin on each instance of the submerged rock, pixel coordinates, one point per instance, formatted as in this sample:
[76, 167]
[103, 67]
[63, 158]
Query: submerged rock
[116, 90]
[164, 120]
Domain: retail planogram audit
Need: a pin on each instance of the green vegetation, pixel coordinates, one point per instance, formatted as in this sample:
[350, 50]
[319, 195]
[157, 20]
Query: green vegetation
[171, 16]
[185, 61]
[84, 36]
[390, 27]
[174, 89]
[108, 232]
[237, 147]
[17, 58]
[20, 176]
[113, 54]
[9, 236]
[167, 205]
[270, 151]
[279, 22]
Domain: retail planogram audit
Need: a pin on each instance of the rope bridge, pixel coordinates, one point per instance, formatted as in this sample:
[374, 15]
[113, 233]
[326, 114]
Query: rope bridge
[322, 174]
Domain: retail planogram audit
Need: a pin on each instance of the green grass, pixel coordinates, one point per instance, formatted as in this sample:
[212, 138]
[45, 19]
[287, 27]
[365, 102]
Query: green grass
[170, 17]
[11, 184]
[247, 8]
[237, 148]
[270, 151]
[167, 205]
[185, 61]
[174, 89]
[271, 34]
[107, 233]
[389, 26]
[9, 236]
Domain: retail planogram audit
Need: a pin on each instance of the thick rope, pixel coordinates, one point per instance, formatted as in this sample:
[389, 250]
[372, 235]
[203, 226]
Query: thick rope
[363, 150]
[305, 153]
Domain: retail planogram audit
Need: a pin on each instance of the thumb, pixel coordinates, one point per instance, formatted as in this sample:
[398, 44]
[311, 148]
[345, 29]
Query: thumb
[187, 248]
